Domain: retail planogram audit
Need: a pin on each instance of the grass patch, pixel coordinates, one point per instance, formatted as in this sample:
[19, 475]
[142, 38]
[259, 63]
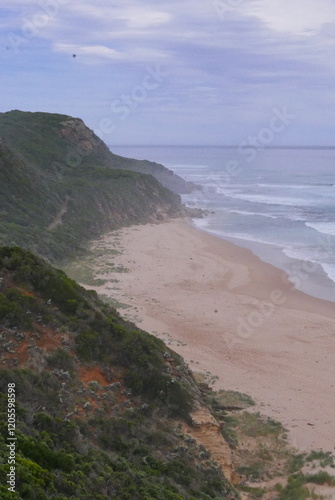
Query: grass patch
[321, 477]
[83, 271]
[90, 270]
[114, 302]
[314, 459]
[296, 488]
[232, 399]
[255, 492]
[255, 424]
[260, 450]
[323, 458]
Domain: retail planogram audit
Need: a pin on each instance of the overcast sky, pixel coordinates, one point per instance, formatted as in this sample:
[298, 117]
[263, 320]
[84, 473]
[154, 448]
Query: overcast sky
[175, 71]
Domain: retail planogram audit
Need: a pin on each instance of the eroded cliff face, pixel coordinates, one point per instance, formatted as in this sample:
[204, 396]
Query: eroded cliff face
[205, 429]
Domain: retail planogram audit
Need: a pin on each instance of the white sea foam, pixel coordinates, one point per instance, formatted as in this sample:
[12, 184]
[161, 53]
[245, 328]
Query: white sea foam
[323, 227]
[294, 217]
[206, 225]
[300, 253]
[268, 200]
[294, 186]
[308, 255]
[329, 269]
[186, 166]
[245, 212]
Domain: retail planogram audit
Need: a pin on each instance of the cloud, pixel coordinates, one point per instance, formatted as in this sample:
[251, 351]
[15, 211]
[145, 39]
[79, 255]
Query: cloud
[227, 60]
[93, 50]
[98, 53]
[299, 17]
[144, 17]
[133, 16]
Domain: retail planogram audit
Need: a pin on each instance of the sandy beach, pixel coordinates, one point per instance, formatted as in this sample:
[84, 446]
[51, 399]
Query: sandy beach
[230, 314]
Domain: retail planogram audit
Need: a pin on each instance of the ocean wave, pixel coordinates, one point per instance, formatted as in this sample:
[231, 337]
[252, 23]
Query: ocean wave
[295, 186]
[269, 200]
[301, 253]
[257, 214]
[293, 217]
[205, 225]
[329, 269]
[306, 255]
[185, 166]
[322, 227]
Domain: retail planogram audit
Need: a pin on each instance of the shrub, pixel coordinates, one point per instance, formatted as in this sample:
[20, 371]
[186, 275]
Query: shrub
[61, 359]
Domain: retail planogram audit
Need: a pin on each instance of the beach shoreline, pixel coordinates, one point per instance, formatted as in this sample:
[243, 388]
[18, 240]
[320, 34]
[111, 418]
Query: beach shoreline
[306, 276]
[231, 315]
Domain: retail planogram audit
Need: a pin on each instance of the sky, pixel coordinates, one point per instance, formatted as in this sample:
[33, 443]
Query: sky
[172, 72]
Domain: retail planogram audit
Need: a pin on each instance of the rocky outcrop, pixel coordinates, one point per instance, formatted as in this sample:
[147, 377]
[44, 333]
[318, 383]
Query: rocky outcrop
[196, 213]
[75, 131]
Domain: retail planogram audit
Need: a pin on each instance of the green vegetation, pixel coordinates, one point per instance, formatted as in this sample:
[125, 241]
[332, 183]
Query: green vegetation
[100, 334]
[231, 400]
[84, 438]
[296, 488]
[261, 452]
[104, 458]
[313, 459]
[69, 187]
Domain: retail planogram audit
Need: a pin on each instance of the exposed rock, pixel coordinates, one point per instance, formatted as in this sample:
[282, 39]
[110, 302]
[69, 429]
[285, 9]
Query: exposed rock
[206, 431]
[196, 213]
[75, 131]
[114, 387]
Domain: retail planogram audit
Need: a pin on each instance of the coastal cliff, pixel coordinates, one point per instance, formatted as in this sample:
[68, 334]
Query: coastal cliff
[61, 186]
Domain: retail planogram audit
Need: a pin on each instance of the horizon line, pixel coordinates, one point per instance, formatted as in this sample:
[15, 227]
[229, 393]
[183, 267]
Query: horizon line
[224, 146]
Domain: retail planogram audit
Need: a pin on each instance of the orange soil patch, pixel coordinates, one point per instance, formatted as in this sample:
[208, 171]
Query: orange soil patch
[86, 375]
[45, 338]
[95, 373]
[82, 413]
[49, 338]
[25, 292]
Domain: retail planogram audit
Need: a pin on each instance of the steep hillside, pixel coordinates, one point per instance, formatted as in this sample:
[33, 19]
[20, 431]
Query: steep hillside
[60, 186]
[100, 405]
[57, 143]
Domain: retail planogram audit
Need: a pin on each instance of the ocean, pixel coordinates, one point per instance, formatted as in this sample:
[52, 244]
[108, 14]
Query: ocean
[279, 203]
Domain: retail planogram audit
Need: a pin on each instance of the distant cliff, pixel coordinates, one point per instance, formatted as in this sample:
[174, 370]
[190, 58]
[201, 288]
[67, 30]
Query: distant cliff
[59, 142]
[60, 185]
[75, 131]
